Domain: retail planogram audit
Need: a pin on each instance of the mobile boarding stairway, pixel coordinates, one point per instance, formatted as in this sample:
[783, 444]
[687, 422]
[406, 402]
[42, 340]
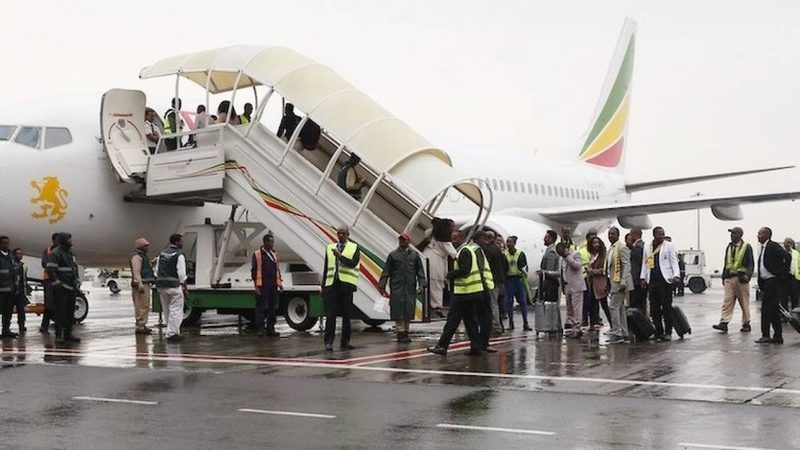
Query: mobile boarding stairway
[291, 190]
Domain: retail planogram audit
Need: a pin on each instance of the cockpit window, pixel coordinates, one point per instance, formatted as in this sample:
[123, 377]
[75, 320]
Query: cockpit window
[6, 131]
[53, 137]
[29, 136]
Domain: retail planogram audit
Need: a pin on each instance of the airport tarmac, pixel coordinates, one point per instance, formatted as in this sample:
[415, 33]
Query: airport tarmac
[225, 387]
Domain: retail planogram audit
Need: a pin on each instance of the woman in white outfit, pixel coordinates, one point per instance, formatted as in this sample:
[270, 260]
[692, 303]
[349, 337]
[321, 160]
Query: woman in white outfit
[437, 252]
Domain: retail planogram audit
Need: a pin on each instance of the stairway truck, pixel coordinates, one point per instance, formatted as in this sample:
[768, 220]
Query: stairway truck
[218, 261]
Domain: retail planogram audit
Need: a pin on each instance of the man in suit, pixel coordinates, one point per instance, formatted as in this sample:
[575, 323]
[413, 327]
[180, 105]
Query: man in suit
[659, 273]
[773, 269]
[618, 265]
[638, 296]
[550, 268]
[574, 286]
[738, 270]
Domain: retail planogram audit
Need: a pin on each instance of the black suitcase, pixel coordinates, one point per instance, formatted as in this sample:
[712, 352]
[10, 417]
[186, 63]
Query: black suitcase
[791, 318]
[680, 323]
[640, 325]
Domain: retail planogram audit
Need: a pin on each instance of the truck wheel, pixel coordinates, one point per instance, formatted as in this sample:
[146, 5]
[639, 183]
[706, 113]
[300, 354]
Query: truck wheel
[191, 316]
[374, 322]
[697, 285]
[81, 309]
[112, 286]
[298, 314]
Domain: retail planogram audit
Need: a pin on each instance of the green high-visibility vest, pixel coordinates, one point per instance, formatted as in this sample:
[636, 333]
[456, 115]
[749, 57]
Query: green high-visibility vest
[796, 263]
[167, 126]
[472, 283]
[243, 120]
[345, 274]
[736, 266]
[585, 257]
[513, 263]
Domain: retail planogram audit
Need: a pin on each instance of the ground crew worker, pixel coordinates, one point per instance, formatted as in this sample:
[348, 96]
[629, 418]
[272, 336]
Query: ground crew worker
[247, 115]
[340, 278]
[21, 291]
[172, 124]
[143, 277]
[266, 274]
[347, 179]
[66, 282]
[793, 282]
[7, 287]
[47, 287]
[736, 273]
[405, 272]
[171, 283]
[517, 265]
[566, 238]
[469, 280]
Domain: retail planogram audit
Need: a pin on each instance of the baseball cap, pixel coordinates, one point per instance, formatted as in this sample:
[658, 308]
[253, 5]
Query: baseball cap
[405, 235]
[736, 230]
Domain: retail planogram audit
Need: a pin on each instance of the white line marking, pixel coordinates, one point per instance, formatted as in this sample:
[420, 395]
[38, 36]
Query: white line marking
[115, 400]
[287, 413]
[501, 430]
[717, 447]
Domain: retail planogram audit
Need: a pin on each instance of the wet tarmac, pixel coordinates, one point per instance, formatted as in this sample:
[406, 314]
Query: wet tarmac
[225, 387]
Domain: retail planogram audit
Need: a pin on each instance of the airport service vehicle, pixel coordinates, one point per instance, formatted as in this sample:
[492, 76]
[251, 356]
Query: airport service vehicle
[115, 280]
[697, 279]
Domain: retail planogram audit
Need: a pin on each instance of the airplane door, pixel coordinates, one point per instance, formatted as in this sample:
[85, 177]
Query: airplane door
[124, 139]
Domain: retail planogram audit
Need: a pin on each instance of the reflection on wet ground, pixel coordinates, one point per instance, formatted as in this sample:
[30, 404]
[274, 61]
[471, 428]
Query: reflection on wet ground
[706, 366]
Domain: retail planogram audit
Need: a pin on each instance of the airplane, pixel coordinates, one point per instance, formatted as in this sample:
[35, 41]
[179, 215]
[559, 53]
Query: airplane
[57, 176]
[590, 190]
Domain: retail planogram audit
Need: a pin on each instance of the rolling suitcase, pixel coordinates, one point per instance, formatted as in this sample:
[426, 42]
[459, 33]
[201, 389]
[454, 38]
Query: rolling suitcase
[680, 323]
[546, 317]
[640, 325]
[791, 318]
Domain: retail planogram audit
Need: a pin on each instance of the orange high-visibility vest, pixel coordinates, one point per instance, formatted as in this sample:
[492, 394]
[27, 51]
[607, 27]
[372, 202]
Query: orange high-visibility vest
[260, 269]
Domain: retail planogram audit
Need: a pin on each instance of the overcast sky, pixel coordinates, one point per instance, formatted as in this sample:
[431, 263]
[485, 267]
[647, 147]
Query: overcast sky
[715, 82]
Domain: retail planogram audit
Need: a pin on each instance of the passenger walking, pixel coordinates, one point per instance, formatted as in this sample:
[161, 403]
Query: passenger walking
[619, 274]
[497, 264]
[173, 124]
[638, 296]
[201, 119]
[47, 286]
[21, 291]
[484, 307]
[288, 123]
[340, 278]
[550, 268]
[405, 276]
[659, 273]
[517, 264]
[347, 178]
[142, 279]
[773, 269]
[469, 280]
[151, 130]
[171, 283]
[7, 286]
[226, 113]
[597, 279]
[438, 251]
[266, 273]
[63, 268]
[736, 274]
[792, 289]
[574, 285]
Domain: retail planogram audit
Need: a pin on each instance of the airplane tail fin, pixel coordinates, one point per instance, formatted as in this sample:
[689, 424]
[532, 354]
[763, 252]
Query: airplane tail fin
[604, 144]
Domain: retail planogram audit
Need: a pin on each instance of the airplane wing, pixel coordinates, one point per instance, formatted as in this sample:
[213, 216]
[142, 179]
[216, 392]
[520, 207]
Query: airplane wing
[724, 207]
[644, 185]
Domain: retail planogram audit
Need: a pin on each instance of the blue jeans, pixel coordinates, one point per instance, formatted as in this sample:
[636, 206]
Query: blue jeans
[515, 289]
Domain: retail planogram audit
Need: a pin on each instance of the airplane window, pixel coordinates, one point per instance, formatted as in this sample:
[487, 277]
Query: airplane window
[6, 131]
[29, 136]
[494, 184]
[530, 189]
[561, 191]
[572, 193]
[53, 137]
[549, 190]
[516, 186]
[536, 189]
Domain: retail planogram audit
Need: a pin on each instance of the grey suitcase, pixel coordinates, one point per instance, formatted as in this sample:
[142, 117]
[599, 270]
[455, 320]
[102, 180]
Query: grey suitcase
[546, 317]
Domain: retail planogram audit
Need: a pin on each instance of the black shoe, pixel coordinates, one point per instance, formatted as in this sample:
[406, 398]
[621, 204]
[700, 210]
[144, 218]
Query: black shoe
[9, 335]
[745, 328]
[273, 333]
[777, 340]
[510, 327]
[666, 337]
[346, 347]
[60, 340]
[261, 332]
[400, 337]
[175, 338]
[72, 339]
[722, 326]
[328, 347]
[406, 339]
[490, 349]
[44, 330]
[764, 340]
[437, 350]
[527, 328]
[472, 353]
[143, 331]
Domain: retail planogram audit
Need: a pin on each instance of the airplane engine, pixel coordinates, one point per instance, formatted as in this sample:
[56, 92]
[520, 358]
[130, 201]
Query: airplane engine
[727, 212]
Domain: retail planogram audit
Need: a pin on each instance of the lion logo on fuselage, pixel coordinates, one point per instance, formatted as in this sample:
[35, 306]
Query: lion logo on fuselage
[51, 199]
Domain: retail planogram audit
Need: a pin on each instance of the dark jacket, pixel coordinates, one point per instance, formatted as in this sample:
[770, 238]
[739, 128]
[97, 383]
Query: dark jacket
[63, 269]
[748, 262]
[288, 124]
[637, 254]
[7, 274]
[497, 263]
[776, 260]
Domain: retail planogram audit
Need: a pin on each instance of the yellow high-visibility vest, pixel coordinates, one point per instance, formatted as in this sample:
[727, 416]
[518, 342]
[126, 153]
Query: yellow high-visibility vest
[346, 274]
[167, 126]
[736, 265]
[472, 283]
[513, 263]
